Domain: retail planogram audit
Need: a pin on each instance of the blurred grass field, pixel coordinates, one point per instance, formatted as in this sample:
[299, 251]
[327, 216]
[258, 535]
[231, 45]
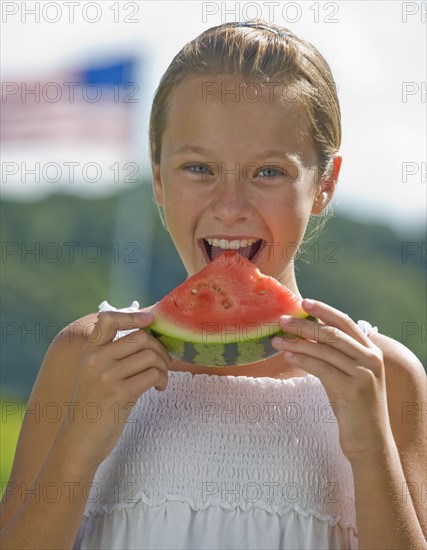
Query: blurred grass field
[12, 411]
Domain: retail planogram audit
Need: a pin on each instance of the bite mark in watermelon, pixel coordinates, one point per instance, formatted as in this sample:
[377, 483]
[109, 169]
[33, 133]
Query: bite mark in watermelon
[224, 315]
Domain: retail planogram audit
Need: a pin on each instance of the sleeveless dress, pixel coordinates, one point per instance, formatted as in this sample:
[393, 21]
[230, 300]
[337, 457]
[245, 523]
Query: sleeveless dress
[225, 462]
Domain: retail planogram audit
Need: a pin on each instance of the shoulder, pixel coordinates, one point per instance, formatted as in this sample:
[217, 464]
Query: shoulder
[61, 363]
[78, 329]
[73, 337]
[401, 365]
[405, 374]
[406, 386]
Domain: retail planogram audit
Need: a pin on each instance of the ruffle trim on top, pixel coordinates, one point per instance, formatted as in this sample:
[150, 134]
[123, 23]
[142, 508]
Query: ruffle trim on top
[269, 509]
[176, 525]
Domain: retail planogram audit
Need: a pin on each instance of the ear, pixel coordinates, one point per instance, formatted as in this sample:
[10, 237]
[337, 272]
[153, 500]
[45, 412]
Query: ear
[157, 183]
[326, 188]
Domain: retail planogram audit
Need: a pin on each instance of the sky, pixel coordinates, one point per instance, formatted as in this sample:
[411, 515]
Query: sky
[376, 50]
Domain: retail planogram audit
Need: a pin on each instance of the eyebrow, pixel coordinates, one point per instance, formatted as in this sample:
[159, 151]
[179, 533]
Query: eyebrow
[190, 149]
[294, 156]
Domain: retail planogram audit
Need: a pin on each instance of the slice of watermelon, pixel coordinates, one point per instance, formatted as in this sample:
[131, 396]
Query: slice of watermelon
[224, 315]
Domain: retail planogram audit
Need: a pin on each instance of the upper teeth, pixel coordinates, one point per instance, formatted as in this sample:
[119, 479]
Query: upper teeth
[231, 245]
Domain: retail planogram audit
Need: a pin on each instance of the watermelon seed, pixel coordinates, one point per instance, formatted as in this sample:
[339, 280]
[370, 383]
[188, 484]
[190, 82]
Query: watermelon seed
[194, 291]
[262, 291]
[216, 286]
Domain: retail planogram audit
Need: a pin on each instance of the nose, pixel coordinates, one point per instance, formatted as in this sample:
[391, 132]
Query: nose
[231, 201]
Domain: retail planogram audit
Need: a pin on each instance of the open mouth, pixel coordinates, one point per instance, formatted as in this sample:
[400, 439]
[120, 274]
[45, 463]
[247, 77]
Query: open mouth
[249, 248]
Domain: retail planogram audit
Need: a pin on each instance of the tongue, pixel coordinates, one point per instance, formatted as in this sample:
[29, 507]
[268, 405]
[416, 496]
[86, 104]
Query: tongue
[246, 251]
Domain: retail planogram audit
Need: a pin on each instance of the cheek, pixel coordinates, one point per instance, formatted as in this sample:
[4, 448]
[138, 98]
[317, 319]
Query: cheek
[291, 202]
[302, 195]
[179, 199]
[289, 211]
[182, 194]
[180, 205]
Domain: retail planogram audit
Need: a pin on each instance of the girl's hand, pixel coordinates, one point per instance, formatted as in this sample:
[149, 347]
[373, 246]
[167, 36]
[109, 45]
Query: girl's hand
[350, 367]
[112, 376]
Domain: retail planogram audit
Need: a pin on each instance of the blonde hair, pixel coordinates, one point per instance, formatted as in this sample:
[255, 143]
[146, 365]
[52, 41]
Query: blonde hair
[260, 52]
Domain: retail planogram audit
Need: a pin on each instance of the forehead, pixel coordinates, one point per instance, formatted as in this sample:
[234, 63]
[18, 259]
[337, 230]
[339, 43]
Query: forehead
[229, 113]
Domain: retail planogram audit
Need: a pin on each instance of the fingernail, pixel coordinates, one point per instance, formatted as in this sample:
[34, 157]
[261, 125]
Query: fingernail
[277, 340]
[288, 354]
[308, 304]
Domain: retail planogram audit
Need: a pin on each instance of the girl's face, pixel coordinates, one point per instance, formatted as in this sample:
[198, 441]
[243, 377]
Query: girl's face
[238, 169]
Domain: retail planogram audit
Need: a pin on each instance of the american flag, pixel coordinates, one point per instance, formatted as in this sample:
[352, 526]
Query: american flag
[92, 105]
[70, 130]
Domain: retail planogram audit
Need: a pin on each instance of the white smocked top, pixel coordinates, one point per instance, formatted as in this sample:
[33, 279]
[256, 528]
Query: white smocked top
[225, 462]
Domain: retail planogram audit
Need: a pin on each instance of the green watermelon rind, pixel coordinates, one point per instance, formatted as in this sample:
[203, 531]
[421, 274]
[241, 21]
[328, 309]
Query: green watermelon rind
[242, 352]
[220, 354]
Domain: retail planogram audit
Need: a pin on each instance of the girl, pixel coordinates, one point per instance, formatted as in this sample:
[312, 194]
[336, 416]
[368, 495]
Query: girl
[322, 446]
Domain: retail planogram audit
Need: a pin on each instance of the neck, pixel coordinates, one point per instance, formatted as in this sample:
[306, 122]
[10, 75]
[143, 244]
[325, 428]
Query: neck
[288, 279]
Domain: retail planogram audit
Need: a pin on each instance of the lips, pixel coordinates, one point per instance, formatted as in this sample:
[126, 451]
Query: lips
[249, 248]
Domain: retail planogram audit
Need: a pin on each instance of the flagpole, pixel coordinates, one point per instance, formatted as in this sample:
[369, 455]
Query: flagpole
[131, 270]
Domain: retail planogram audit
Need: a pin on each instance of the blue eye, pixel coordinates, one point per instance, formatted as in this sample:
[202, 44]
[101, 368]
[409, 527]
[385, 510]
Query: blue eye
[198, 168]
[270, 172]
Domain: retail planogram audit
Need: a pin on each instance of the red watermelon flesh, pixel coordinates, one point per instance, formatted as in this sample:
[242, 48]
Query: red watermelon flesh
[228, 301]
